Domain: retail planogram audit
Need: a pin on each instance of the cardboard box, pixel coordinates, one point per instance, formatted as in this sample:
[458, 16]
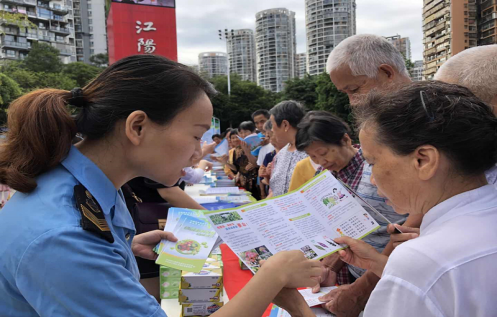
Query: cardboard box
[167, 293]
[206, 278]
[170, 282]
[200, 309]
[188, 296]
[169, 272]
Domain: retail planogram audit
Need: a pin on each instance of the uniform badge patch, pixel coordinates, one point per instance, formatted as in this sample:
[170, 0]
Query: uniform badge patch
[92, 216]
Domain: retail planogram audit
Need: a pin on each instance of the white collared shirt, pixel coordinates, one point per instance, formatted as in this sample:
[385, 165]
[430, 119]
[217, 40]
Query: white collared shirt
[450, 269]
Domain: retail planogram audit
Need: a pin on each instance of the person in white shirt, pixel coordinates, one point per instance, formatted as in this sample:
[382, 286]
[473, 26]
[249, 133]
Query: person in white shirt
[430, 144]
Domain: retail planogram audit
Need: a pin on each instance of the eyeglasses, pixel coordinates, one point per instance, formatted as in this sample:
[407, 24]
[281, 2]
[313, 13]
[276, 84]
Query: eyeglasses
[431, 116]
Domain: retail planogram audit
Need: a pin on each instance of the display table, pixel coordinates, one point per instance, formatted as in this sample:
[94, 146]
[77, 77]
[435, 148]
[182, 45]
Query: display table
[234, 280]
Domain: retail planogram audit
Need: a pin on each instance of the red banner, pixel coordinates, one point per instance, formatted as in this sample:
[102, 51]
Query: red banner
[141, 29]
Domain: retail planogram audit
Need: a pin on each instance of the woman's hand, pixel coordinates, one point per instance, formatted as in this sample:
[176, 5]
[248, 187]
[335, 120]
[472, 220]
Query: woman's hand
[292, 301]
[223, 159]
[205, 165]
[250, 166]
[293, 269]
[262, 171]
[361, 254]
[408, 233]
[245, 147]
[143, 244]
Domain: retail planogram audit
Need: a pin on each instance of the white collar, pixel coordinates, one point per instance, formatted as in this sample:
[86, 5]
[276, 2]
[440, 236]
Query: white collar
[478, 199]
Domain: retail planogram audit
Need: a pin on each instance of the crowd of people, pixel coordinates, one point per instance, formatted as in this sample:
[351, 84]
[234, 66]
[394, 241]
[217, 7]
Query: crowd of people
[426, 159]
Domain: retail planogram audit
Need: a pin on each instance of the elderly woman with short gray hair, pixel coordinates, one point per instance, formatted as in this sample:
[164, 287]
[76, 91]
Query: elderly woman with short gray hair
[430, 144]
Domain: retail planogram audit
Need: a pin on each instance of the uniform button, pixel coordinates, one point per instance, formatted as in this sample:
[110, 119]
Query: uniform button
[128, 236]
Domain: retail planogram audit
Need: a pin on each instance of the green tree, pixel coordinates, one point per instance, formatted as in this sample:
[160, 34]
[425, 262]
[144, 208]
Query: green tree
[9, 90]
[100, 60]
[246, 97]
[29, 80]
[81, 72]
[302, 90]
[43, 58]
[329, 98]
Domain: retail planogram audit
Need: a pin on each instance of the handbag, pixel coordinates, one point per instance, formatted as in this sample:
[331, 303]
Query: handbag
[146, 216]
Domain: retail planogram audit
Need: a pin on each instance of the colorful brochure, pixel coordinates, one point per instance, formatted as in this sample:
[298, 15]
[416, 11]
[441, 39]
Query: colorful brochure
[307, 219]
[196, 239]
[254, 142]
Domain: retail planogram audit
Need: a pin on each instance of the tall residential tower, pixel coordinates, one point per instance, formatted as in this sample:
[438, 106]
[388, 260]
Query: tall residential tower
[275, 48]
[328, 22]
[55, 26]
[213, 63]
[241, 53]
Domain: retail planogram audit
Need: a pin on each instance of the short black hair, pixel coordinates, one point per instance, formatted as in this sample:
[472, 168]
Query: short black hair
[247, 125]
[261, 112]
[233, 132]
[320, 126]
[288, 110]
[216, 136]
[446, 116]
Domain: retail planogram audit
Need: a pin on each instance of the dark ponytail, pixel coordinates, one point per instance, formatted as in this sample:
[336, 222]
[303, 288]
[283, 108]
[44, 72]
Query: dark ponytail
[39, 137]
[41, 129]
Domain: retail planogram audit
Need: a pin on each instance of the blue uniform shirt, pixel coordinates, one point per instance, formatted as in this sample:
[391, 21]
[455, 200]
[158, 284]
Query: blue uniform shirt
[50, 266]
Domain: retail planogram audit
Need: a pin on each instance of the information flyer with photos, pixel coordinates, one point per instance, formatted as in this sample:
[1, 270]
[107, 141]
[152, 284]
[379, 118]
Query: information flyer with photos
[307, 219]
[196, 239]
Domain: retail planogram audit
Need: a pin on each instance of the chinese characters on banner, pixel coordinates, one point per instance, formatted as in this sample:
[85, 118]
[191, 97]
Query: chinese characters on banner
[148, 45]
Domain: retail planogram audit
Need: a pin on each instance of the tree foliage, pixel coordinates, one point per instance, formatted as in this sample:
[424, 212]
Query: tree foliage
[80, 72]
[314, 92]
[43, 58]
[246, 97]
[9, 91]
[100, 60]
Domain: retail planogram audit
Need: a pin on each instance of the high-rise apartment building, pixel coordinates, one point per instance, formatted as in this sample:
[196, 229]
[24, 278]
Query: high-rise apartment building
[213, 63]
[275, 48]
[241, 53]
[401, 44]
[328, 22]
[301, 65]
[487, 22]
[91, 34]
[55, 26]
[417, 71]
[449, 27]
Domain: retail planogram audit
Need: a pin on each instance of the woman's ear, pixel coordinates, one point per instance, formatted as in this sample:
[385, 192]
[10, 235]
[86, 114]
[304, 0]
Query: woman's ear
[135, 126]
[426, 161]
[346, 140]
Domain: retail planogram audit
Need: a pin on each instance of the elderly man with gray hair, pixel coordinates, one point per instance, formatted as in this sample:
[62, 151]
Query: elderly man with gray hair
[475, 69]
[365, 62]
[358, 65]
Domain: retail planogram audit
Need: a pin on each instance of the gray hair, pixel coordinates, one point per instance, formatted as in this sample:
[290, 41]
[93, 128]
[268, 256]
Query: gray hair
[475, 69]
[364, 53]
[268, 125]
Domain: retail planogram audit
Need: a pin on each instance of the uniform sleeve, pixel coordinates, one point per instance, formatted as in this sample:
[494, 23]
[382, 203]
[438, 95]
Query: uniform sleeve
[395, 297]
[73, 272]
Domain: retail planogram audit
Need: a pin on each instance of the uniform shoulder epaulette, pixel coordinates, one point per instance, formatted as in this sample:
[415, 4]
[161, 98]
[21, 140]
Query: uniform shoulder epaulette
[92, 216]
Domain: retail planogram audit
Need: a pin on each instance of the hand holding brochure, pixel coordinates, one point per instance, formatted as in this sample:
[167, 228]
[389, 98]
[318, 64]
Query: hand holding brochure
[196, 238]
[221, 149]
[253, 141]
[307, 219]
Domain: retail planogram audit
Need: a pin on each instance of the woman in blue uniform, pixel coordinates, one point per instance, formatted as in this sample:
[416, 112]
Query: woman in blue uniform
[67, 240]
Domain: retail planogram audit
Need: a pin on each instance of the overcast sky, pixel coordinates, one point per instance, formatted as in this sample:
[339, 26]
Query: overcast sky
[198, 22]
